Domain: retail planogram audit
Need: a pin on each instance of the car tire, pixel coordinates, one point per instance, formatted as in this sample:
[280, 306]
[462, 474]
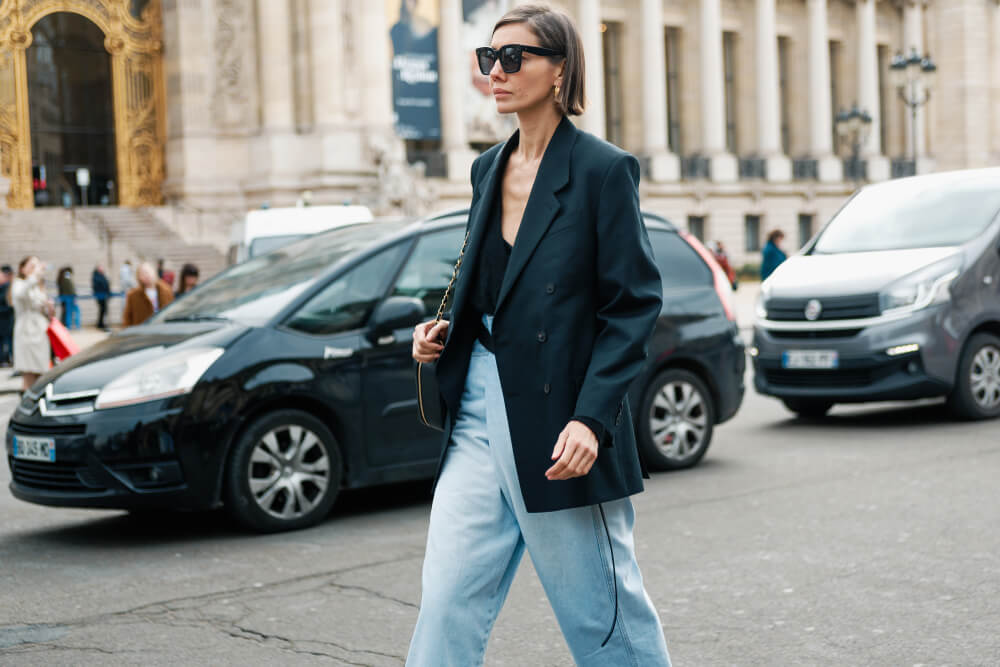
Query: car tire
[808, 408]
[284, 472]
[976, 394]
[676, 420]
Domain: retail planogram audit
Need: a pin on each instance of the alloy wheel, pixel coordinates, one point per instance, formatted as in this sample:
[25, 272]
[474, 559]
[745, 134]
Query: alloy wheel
[678, 420]
[289, 472]
[984, 377]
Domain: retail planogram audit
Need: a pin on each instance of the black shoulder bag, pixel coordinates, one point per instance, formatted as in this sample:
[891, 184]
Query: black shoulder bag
[428, 396]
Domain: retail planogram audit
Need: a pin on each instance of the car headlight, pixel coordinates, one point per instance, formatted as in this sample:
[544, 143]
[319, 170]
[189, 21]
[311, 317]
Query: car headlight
[923, 288]
[172, 375]
[762, 298]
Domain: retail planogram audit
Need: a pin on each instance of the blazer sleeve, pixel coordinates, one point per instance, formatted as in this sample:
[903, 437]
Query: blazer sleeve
[629, 296]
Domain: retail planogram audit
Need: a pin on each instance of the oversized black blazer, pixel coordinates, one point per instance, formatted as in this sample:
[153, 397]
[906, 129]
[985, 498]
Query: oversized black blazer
[577, 305]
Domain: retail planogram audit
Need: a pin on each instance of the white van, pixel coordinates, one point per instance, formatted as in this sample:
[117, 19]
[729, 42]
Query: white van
[265, 230]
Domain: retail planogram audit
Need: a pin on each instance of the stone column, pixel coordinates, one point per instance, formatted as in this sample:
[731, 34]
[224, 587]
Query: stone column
[913, 38]
[996, 80]
[277, 94]
[663, 165]
[779, 167]
[588, 20]
[723, 165]
[453, 70]
[341, 145]
[821, 149]
[868, 90]
[274, 154]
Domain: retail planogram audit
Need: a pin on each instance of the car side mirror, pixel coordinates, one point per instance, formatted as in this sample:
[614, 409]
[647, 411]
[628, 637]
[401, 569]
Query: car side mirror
[396, 312]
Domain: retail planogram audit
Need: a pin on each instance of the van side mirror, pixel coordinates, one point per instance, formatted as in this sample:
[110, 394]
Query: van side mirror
[396, 312]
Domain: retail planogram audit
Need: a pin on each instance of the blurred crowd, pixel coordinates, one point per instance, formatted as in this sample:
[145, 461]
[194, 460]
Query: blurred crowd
[28, 308]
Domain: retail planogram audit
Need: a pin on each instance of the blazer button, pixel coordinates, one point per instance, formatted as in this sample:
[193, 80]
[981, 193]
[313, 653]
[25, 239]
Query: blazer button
[550, 288]
[542, 337]
[546, 388]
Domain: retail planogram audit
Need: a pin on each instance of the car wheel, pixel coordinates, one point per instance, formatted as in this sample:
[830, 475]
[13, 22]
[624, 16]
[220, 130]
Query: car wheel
[808, 408]
[284, 472]
[977, 392]
[678, 416]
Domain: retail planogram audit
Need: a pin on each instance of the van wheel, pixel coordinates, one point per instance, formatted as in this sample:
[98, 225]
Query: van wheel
[977, 392]
[284, 473]
[808, 408]
[677, 419]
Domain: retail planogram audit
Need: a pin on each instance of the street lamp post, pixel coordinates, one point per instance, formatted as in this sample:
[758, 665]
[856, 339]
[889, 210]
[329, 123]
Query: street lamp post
[913, 76]
[853, 127]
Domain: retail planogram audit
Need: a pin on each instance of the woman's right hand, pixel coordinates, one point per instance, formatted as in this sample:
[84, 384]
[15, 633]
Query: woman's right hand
[427, 340]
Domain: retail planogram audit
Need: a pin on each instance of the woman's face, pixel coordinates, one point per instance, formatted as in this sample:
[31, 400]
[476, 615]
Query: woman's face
[531, 86]
[190, 282]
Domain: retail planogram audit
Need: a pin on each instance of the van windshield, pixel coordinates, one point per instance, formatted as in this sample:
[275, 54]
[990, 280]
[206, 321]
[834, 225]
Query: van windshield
[912, 213]
[256, 290]
[265, 244]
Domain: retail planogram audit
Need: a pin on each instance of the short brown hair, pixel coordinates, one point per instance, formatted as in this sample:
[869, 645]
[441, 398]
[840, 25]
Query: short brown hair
[555, 31]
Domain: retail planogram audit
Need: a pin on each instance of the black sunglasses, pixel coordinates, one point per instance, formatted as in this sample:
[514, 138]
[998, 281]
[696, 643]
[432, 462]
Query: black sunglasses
[509, 56]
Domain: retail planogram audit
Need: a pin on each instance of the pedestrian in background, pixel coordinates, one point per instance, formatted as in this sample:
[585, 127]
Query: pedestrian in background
[148, 298]
[126, 277]
[719, 252]
[32, 311]
[67, 298]
[772, 255]
[101, 288]
[547, 334]
[6, 316]
[188, 279]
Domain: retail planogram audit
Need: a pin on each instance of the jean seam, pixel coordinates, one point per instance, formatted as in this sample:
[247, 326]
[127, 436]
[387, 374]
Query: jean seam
[621, 630]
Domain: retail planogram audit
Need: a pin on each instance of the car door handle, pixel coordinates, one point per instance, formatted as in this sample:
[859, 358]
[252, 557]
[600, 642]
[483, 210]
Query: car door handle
[386, 340]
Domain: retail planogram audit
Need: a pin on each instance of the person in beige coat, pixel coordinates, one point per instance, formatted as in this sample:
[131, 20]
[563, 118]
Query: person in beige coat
[32, 311]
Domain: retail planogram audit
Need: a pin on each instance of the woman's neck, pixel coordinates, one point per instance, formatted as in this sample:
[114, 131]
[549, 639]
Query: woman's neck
[537, 129]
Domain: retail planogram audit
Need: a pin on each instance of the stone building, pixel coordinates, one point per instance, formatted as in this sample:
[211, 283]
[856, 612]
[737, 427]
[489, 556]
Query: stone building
[201, 109]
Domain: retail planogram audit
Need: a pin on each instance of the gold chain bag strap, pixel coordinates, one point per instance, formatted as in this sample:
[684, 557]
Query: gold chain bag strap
[428, 397]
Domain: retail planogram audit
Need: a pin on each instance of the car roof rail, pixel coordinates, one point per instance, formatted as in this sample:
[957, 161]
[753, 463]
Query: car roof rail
[444, 215]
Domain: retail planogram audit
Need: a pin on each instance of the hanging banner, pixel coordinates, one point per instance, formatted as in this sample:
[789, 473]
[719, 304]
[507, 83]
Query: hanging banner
[414, 37]
[482, 122]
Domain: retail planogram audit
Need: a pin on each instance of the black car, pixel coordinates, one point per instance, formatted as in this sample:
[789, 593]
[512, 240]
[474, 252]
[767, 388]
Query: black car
[287, 378]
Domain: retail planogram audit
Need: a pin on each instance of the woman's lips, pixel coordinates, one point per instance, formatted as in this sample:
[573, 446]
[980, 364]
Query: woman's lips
[500, 93]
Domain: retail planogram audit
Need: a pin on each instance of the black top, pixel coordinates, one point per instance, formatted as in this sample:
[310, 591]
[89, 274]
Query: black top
[492, 265]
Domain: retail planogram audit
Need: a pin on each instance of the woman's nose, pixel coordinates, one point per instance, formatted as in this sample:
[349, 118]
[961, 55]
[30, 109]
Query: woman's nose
[496, 72]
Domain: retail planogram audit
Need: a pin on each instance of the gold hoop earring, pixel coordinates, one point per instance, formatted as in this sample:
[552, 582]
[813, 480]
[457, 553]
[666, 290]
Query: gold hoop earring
[555, 91]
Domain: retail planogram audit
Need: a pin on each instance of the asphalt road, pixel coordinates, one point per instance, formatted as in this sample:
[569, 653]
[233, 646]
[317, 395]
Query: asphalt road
[868, 539]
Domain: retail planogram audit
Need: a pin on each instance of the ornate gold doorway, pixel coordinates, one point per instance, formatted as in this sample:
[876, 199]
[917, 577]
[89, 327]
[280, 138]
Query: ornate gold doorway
[132, 35]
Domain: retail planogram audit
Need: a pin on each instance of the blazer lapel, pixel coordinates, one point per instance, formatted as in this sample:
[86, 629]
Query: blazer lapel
[542, 206]
[479, 217]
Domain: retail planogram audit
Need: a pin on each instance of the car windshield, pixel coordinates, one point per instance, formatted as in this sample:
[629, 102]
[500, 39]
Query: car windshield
[254, 291]
[912, 213]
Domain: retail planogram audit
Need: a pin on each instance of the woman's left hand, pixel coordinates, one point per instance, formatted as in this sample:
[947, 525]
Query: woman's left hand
[576, 451]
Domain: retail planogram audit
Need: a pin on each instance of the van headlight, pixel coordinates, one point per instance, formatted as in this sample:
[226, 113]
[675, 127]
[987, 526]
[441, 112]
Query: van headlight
[923, 288]
[172, 375]
[762, 298]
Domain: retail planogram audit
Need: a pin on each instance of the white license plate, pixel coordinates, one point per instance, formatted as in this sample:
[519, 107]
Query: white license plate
[35, 449]
[810, 359]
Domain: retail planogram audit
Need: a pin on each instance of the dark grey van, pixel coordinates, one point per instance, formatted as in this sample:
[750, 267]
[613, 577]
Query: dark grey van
[897, 298]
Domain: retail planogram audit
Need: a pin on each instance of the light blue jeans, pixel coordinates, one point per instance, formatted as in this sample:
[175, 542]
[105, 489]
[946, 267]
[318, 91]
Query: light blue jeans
[479, 529]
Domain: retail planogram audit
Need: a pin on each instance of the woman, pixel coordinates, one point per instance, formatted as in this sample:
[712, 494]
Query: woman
[772, 255]
[555, 299]
[32, 311]
[188, 280]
